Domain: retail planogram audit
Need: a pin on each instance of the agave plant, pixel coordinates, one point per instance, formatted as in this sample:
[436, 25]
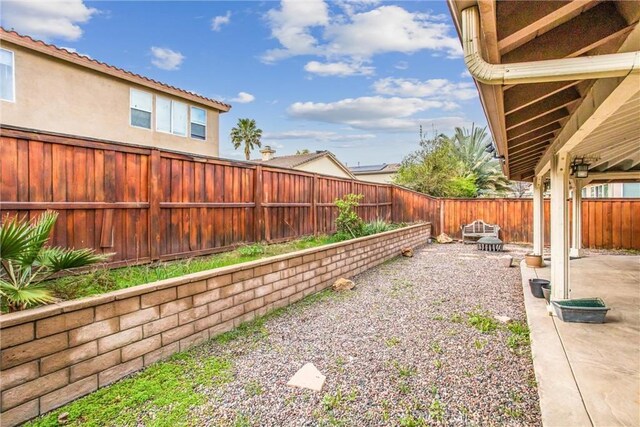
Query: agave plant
[27, 263]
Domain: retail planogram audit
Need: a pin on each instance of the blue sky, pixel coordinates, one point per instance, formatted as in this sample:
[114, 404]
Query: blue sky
[353, 77]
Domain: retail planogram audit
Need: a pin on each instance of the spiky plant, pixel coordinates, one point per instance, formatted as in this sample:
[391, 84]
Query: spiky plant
[26, 261]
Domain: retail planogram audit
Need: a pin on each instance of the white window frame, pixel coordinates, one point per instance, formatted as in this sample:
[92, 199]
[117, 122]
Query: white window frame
[13, 76]
[191, 122]
[151, 122]
[171, 104]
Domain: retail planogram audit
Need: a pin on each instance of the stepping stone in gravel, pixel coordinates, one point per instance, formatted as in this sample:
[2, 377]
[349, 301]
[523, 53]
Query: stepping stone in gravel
[308, 377]
[503, 319]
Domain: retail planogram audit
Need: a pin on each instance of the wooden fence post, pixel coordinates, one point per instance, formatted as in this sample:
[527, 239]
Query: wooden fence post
[258, 221]
[314, 204]
[393, 203]
[155, 193]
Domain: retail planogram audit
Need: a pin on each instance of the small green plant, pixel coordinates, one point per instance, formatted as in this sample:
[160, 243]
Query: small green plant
[375, 227]
[332, 401]
[392, 342]
[479, 344]
[437, 410]
[512, 412]
[456, 318]
[483, 321]
[27, 263]
[252, 250]
[348, 221]
[437, 364]
[408, 420]
[519, 335]
[253, 388]
[404, 371]
[404, 387]
[436, 347]
[242, 421]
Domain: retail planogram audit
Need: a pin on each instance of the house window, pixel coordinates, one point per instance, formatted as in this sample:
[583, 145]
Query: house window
[141, 109]
[171, 116]
[7, 76]
[198, 123]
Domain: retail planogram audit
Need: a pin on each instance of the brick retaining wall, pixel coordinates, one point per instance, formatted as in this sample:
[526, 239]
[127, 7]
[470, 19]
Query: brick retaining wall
[54, 354]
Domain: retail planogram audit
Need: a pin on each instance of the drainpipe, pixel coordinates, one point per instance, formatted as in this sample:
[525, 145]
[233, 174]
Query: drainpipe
[553, 70]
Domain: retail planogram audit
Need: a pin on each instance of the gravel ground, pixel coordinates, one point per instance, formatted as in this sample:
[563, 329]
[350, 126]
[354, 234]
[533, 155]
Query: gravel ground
[398, 350]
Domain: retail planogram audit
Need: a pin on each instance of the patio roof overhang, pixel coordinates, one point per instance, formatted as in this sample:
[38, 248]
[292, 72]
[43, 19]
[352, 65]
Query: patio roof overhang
[594, 117]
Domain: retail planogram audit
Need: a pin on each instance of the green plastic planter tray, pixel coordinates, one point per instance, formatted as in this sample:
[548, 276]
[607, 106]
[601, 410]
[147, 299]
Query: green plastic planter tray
[581, 310]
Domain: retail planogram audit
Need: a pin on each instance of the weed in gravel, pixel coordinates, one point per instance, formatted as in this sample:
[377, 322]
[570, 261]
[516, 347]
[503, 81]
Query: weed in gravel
[437, 364]
[408, 420]
[253, 388]
[511, 412]
[333, 401]
[452, 332]
[400, 287]
[531, 380]
[480, 344]
[438, 317]
[404, 387]
[437, 410]
[515, 397]
[436, 347]
[404, 371]
[242, 420]
[456, 318]
[434, 389]
[392, 342]
[483, 321]
[519, 335]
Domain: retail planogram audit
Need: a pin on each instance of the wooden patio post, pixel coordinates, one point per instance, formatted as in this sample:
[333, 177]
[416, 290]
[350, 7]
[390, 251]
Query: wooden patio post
[559, 226]
[538, 216]
[576, 236]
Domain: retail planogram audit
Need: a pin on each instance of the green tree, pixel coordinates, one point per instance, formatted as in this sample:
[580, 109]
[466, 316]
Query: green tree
[469, 146]
[435, 170]
[27, 263]
[246, 133]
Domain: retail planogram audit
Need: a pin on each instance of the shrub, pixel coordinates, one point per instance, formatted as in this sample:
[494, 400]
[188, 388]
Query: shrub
[348, 220]
[27, 263]
[375, 227]
[251, 250]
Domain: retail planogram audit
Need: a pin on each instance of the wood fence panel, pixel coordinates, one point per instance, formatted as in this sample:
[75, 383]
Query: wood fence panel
[146, 204]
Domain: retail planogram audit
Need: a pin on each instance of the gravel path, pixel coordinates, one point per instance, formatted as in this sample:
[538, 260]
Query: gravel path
[398, 350]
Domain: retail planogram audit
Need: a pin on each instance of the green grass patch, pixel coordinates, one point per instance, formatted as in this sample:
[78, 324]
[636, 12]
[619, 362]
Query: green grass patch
[161, 395]
[483, 321]
[102, 280]
[519, 336]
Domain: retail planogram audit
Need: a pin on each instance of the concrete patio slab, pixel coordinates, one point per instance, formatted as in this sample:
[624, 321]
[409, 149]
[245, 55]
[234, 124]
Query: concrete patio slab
[589, 374]
[308, 377]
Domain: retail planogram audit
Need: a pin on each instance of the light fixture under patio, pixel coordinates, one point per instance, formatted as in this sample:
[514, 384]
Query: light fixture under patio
[580, 167]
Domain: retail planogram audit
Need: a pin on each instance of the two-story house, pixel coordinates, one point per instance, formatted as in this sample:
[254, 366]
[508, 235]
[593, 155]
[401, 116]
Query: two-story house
[49, 89]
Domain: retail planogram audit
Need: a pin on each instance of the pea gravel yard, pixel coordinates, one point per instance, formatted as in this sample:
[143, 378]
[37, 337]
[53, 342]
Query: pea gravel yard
[437, 339]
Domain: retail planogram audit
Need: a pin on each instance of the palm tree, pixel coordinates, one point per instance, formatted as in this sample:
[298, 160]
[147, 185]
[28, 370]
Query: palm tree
[470, 148]
[26, 263]
[248, 134]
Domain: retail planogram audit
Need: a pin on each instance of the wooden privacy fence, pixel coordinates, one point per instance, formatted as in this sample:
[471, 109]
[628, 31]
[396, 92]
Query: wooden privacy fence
[146, 204]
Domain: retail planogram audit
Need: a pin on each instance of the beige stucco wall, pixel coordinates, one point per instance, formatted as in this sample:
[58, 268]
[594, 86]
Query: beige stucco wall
[57, 96]
[380, 178]
[325, 166]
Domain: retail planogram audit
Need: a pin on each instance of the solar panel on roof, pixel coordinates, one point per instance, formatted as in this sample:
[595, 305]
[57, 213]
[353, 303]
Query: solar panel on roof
[368, 168]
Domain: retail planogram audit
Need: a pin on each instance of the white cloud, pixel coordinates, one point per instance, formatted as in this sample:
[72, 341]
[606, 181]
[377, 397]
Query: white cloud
[218, 21]
[465, 74]
[74, 50]
[243, 98]
[340, 69]
[369, 113]
[165, 58]
[47, 19]
[401, 65]
[432, 88]
[322, 136]
[291, 25]
[306, 28]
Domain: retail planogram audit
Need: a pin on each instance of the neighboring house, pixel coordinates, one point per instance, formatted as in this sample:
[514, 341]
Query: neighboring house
[612, 190]
[322, 162]
[382, 173]
[50, 89]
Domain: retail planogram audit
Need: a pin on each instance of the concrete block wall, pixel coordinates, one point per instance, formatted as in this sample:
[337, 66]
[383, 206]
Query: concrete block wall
[57, 353]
